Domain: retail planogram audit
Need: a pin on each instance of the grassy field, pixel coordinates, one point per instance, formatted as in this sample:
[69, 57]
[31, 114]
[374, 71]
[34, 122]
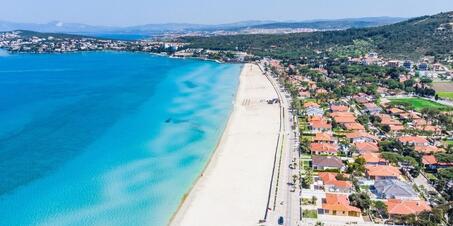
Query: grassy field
[418, 103]
[447, 95]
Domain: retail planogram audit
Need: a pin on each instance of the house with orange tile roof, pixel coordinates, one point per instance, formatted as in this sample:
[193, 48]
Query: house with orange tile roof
[414, 140]
[405, 115]
[321, 91]
[428, 149]
[310, 104]
[419, 122]
[396, 128]
[316, 118]
[361, 136]
[328, 181]
[303, 93]
[390, 121]
[397, 207]
[354, 126]
[429, 128]
[323, 148]
[362, 147]
[324, 138]
[414, 115]
[395, 111]
[321, 125]
[372, 158]
[339, 108]
[342, 114]
[431, 162]
[380, 172]
[344, 119]
[338, 205]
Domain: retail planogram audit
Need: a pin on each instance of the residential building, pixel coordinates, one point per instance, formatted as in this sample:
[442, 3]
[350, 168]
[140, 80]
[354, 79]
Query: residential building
[373, 159]
[314, 111]
[327, 162]
[339, 108]
[382, 172]
[414, 140]
[329, 182]
[323, 148]
[397, 207]
[336, 204]
[326, 138]
[430, 162]
[361, 136]
[354, 126]
[394, 189]
[363, 147]
[372, 108]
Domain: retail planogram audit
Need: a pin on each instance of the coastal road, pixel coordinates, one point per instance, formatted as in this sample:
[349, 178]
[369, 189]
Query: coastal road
[285, 193]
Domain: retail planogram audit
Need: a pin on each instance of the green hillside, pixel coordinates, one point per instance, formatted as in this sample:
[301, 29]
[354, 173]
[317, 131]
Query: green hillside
[414, 38]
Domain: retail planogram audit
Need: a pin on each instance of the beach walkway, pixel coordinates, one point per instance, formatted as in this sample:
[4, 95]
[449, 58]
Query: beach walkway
[233, 190]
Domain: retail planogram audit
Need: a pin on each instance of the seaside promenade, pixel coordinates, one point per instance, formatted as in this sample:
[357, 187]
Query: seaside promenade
[233, 190]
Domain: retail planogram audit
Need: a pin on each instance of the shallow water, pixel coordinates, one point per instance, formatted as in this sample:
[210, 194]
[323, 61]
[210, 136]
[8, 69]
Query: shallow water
[106, 138]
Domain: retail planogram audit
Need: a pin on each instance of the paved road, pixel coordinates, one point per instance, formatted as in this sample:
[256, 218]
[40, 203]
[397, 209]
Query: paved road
[283, 196]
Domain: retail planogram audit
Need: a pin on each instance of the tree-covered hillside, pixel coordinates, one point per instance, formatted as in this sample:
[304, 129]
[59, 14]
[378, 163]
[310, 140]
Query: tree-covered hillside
[414, 38]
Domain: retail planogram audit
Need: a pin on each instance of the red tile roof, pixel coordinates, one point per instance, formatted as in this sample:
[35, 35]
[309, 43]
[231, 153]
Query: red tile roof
[429, 160]
[406, 207]
[344, 119]
[413, 139]
[320, 125]
[358, 134]
[336, 202]
[428, 149]
[340, 108]
[318, 147]
[354, 126]
[341, 114]
[323, 137]
[310, 104]
[396, 127]
[330, 179]
[396, 111]
[383, 171]
[371, 157]
[367, 147]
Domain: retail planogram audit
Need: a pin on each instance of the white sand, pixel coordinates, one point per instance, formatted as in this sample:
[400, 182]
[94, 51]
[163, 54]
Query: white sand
[233, 190]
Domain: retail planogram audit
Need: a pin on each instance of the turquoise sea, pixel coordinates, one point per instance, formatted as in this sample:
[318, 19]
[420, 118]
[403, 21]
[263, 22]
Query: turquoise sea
[106, 138]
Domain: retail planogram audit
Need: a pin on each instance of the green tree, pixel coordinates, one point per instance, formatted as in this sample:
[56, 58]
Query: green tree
[360, 200]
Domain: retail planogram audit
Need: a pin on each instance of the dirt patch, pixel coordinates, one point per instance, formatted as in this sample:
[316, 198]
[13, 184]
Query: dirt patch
[443, 86]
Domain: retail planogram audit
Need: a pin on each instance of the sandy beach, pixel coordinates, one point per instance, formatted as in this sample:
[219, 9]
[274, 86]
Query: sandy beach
[233, 189]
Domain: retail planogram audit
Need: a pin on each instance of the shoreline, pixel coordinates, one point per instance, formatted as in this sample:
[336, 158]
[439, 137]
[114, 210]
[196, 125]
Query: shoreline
[195, 207]
[209, 160]
[123, 51]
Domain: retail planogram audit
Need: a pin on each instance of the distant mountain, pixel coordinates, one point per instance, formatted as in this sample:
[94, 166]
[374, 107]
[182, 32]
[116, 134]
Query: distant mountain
[339, 24]
[55, 27]
[413, 38]
[60, 27]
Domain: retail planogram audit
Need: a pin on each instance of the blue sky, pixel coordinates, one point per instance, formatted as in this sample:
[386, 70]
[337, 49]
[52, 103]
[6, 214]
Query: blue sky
[136, 12]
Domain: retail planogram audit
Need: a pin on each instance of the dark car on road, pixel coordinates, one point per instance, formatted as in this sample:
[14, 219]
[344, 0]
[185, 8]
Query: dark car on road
[280, 221]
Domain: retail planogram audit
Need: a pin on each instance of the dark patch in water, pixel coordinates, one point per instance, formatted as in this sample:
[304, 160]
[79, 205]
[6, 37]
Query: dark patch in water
[190, 84]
